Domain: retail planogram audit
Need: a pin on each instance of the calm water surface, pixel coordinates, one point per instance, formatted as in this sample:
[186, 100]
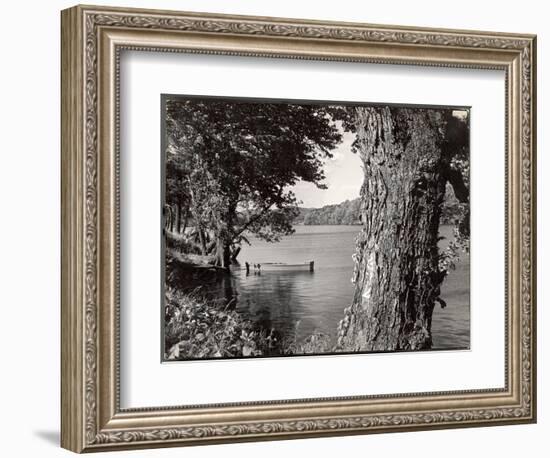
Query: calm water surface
[308, 302]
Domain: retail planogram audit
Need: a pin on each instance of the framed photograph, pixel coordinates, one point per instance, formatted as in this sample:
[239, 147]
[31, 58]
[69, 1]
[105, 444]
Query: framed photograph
[277, 228]
[265, 233]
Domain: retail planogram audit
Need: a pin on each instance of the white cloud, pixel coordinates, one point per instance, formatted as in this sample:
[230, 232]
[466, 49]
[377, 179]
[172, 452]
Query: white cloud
[344, 176]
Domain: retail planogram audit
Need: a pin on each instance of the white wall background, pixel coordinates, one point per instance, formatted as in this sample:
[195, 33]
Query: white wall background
[29, 232]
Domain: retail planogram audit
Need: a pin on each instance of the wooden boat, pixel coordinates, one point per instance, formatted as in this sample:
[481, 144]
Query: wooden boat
[281, 266]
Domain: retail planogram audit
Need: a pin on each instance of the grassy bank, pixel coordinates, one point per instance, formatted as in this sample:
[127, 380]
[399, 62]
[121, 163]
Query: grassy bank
[196, 328]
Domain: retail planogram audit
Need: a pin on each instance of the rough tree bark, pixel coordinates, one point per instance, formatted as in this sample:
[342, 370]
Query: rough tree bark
[396, 276]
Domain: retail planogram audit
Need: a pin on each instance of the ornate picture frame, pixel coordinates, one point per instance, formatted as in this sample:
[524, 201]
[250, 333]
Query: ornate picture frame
[92, 41]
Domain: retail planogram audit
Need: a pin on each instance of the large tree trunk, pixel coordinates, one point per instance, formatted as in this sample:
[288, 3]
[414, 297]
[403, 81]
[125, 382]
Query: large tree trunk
[396, 276]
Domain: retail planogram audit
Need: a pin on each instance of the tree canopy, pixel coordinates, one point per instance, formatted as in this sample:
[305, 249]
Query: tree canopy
[232, 164]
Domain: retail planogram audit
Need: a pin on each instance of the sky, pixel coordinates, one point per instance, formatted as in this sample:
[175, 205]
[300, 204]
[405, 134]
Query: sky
[344, 176]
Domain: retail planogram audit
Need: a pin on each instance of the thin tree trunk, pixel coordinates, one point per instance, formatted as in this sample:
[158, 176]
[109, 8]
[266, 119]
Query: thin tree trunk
[396, 276]
[225, 236]
[235, 254]
[193, 208]
[185, 220]
[202, 240]
[167, 217]
[226, 256]
[177, 218]
[223, 253]
[171, 219]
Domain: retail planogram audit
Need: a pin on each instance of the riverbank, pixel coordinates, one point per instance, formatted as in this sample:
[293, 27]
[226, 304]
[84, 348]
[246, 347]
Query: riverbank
[190, 269]
[196, 328]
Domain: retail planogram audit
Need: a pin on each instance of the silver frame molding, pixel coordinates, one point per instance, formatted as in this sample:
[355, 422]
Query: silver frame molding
[92, 39]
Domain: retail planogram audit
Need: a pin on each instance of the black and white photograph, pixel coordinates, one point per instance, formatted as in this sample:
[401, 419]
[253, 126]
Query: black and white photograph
[300, 227]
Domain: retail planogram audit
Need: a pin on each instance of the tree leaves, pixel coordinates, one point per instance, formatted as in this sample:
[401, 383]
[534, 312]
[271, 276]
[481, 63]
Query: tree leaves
[232, 163]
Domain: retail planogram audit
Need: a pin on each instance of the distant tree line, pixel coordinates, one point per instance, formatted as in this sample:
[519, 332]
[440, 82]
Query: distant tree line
[349, 211]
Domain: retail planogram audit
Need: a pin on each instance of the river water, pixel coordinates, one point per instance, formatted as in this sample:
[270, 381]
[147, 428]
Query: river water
[304, 302]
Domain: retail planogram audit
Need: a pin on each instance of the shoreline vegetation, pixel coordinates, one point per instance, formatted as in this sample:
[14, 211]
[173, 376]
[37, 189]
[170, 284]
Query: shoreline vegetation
[197, 328]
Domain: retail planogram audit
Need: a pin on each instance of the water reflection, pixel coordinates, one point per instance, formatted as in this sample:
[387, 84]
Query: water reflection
[274, 299]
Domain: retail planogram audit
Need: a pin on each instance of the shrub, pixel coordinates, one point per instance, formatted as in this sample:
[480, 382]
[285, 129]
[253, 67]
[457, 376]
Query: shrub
[197, 328]
[181, 243]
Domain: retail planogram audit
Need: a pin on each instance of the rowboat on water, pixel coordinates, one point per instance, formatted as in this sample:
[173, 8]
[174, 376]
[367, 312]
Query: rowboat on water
[280, 266]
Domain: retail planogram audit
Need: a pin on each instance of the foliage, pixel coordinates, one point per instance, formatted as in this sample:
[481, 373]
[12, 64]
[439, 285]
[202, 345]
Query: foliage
[233, 163]
[181, 243]
[347, 212]
[316, 343]
[198, 328]
[452, 211]
[450, 256]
